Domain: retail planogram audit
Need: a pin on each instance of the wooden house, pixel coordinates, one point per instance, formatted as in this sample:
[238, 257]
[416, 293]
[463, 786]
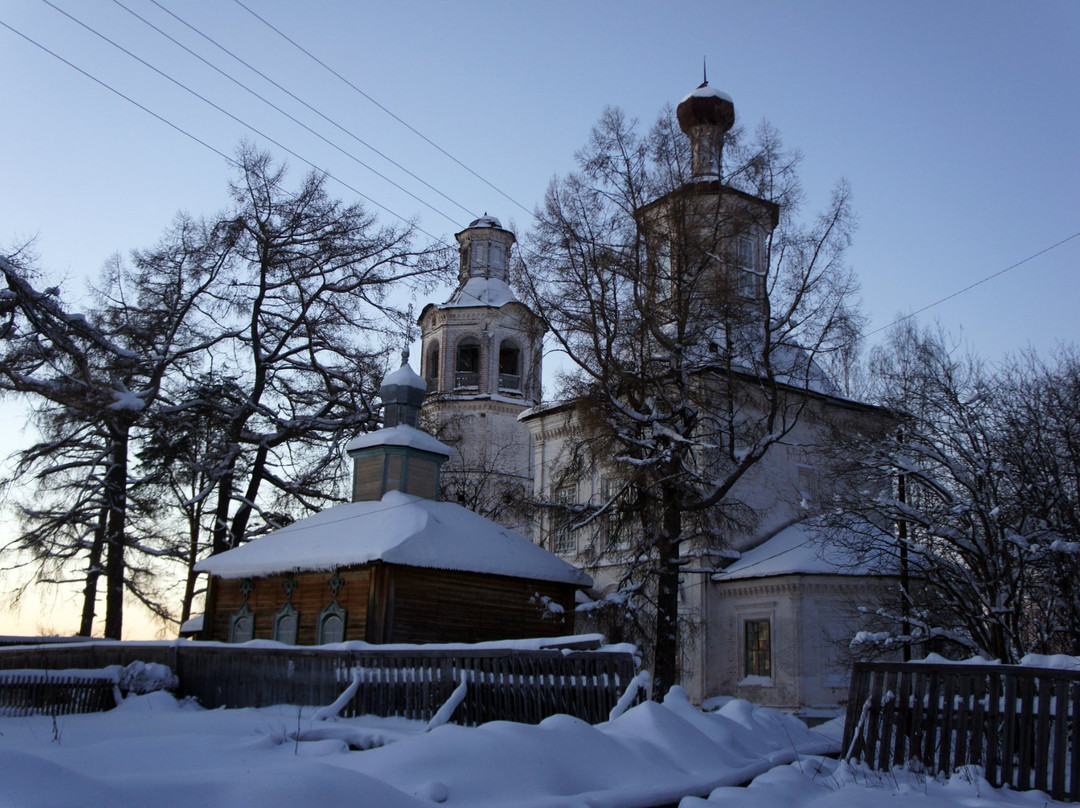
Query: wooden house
[395, 565]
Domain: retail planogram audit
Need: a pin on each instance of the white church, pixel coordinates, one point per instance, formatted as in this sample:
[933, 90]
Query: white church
[770, 626]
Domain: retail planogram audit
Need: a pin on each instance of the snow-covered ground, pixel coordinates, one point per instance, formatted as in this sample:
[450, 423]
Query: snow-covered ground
[156, 752]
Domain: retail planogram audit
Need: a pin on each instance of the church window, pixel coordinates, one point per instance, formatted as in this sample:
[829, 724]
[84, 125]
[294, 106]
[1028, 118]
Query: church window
[497, 256]
[750, 279]
[432, 368]
[467, 367]
[509, 366]
[286, 623]
[479, 254]
[663, 267]
[758, 648]
[563, 540]
[806, 485]
[242, 625]
[332, 624]
[615, 529]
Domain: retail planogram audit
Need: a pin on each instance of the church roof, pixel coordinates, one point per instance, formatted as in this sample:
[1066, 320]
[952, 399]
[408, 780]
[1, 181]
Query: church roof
[804, 548]
[399, 529]
[481, 291]
[403, 435]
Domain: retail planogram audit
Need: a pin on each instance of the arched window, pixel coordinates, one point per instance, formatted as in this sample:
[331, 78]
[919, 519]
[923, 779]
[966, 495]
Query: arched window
[509, 366]
[242, 625]
[432, 368]
[332, 624]
[286, 622]
[467, 366]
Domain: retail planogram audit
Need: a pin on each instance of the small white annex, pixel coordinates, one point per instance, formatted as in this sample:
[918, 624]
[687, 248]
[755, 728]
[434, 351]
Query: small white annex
[782, 617]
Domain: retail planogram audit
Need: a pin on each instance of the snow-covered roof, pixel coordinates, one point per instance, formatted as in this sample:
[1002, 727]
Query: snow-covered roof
[481, 291]
[804, 548]
[192, 625]
[485, 221]
[401, 435]
[706, 91]
[405, 376]
[399, 529]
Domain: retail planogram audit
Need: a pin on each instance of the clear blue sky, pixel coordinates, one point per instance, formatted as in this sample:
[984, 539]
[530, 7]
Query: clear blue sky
[956, 124]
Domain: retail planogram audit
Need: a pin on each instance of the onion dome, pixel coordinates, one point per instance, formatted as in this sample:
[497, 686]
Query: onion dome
[705, 115]
[402, 393]
[706, 106]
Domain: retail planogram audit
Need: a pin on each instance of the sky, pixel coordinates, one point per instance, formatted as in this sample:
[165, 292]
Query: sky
[954, 123]
[155, 751]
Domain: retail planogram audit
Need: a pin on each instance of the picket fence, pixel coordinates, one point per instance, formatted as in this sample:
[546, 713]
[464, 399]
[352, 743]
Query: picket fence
[500, 684]
[1017, 723]
[53, 693]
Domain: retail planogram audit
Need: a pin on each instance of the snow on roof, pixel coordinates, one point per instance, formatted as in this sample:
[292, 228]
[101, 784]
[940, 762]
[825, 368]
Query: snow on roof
[804, 548]
[401, 435]
[480, 291]
[405, 376]
[399, 529]
[192, 625]
[706, 91]
[485, 221]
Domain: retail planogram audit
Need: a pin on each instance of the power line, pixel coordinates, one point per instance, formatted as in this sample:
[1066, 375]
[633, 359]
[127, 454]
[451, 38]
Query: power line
[222, 111]
[127, 98]
[299, 100]
[404, 123]
[274, 106]
[969, 287]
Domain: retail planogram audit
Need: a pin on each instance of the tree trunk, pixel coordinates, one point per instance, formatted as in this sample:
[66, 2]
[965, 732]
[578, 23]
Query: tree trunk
[93, 572]
[666, 664]
[116, 500]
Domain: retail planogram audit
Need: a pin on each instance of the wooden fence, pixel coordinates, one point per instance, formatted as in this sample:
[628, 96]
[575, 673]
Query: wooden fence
[502, 684]
[44, 693]
[1018, 723]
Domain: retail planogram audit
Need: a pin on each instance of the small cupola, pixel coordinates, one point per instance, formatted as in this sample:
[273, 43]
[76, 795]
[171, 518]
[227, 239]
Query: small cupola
[705, 116]
[400, 456]
[484, 249]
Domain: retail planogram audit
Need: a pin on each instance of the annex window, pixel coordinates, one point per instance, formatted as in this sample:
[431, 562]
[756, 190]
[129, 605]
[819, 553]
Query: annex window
[467, 365]
[242, 625]
[509, 366]
[757, 659]
[563, 540]
[431, 373]
[332, 624]
[286, 623]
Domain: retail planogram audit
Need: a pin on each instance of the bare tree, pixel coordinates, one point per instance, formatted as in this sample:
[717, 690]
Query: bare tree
[97, 376]
[220, 371]
[694, 310]
[977, 486]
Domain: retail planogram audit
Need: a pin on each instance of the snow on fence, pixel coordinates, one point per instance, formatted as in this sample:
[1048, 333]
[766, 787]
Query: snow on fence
[1018, 723]
[501, 684]
[38, 692]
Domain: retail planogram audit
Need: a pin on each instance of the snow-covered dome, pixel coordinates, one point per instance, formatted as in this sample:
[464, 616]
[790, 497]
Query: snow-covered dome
[706, 106]
[405, 376]
[402, 393]
[486, 221]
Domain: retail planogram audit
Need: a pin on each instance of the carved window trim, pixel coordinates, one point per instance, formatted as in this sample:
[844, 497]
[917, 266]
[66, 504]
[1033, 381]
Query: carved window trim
[287, 612]
[330, 613]
[242, 625]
